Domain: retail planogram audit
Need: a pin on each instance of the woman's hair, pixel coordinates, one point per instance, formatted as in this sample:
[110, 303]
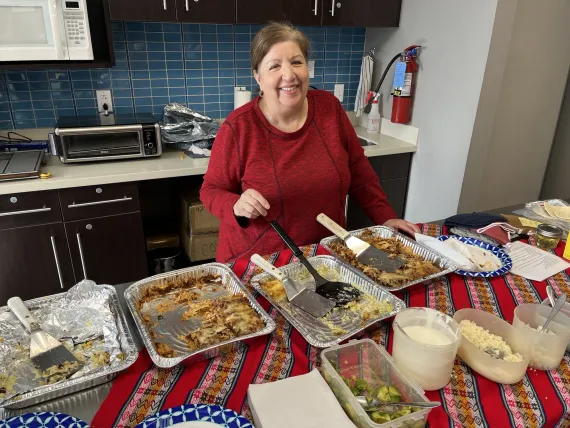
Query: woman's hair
[276, 32]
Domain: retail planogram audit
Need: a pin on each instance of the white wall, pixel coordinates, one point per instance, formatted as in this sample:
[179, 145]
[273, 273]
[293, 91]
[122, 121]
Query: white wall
[507, 166]
[556, 183]
[456, 35]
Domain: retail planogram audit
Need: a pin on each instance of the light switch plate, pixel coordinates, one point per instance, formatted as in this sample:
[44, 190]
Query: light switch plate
[339, 91]
[311, 69]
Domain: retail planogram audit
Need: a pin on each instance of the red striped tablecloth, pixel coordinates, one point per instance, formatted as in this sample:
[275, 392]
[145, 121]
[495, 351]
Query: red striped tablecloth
[541, 399]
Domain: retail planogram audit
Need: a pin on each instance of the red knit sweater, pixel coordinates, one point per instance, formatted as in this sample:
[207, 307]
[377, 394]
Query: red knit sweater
[301, 174]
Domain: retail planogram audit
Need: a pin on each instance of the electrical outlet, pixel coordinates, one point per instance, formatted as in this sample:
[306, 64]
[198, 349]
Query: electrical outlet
[311, 69]
[339, 91]
[104, 99]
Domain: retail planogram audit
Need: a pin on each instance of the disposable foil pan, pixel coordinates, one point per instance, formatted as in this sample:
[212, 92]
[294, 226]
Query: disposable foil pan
[229, 281]
[445, 264]
[314, 330]
[70, 386]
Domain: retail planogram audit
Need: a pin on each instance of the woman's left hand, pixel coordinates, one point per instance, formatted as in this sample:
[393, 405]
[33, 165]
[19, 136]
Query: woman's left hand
[403, 226]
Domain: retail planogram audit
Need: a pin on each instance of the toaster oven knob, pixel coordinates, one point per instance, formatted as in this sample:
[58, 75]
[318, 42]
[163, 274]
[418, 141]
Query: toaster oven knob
[150, 145]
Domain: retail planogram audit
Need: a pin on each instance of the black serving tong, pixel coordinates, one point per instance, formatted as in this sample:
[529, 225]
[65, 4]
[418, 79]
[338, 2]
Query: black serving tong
[339, 292]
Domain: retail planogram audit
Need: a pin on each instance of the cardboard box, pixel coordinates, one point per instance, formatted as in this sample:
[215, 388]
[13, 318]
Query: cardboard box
[198, 229]
[200, 246]
[196, 217]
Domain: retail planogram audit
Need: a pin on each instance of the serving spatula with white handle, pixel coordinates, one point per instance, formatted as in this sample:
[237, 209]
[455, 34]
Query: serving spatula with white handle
[365, 253]
[45, 350]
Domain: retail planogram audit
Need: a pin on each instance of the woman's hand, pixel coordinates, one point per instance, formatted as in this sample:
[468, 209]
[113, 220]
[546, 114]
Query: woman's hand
[403, 226]
[251, 205]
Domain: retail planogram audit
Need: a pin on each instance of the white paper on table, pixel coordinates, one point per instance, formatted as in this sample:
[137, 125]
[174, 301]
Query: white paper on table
[304, 401]
[445, 250]
[533, 263]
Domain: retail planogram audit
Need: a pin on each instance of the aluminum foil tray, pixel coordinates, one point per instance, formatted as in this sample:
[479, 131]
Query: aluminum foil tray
[70, 386]
[314, 330]
[168, 328]
[446, 265]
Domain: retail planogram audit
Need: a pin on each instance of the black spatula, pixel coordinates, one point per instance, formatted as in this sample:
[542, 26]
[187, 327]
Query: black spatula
[339, 292]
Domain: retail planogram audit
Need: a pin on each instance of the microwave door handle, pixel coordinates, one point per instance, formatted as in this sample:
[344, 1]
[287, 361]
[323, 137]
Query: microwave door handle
[56, 30]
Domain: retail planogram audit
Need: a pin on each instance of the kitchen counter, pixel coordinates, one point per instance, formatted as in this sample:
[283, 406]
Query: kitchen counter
[394, 139]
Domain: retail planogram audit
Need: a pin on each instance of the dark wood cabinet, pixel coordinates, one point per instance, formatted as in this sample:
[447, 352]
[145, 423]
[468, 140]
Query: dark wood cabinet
[298, 12]
[49, 239]
[143, 10]
[108, 250]
[393, 172]
[207, 11]
[361, 13]
[258, 11]
[35, 262]
[395, 193]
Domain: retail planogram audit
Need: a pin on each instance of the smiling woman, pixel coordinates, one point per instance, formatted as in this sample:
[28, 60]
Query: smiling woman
[288, 155]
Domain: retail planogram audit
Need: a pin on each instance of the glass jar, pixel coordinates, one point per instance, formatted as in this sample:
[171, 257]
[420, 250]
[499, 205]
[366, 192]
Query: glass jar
[548, 236]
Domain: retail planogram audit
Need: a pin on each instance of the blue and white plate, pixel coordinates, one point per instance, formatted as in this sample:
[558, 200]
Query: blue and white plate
[500, 253]
[43, 420]
[207, 414]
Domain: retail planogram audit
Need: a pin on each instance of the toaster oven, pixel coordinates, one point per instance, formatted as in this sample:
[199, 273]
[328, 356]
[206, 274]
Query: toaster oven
[79, 139]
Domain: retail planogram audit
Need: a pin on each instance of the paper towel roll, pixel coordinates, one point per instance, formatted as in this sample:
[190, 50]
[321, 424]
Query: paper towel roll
[241, 98]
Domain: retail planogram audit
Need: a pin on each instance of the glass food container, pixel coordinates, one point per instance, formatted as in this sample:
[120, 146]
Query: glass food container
[548, 236]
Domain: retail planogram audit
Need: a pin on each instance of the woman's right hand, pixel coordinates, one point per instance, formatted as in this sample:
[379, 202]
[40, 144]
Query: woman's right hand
[251, 205]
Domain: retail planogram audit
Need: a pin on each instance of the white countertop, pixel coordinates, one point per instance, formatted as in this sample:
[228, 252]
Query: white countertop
[171, 164]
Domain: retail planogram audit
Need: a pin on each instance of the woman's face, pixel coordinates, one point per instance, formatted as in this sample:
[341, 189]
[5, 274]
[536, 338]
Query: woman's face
[283, 76]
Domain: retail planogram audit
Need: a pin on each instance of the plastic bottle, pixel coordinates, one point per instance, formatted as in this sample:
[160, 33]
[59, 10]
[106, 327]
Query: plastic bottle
[374, 118]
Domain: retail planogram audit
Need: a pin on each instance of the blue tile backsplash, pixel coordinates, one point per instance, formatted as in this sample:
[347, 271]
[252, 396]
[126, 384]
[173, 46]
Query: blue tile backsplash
[158, 63]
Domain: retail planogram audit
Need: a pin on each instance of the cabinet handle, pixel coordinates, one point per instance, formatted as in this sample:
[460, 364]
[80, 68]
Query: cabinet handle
[332, 9]
[57, 265]
[38, 210]
[187, 6]
[108, 201]
[81, 255]
[316, 6]
[164, 4]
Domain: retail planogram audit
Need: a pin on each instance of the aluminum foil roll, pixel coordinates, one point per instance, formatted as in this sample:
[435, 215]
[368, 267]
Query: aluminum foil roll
[81, 318]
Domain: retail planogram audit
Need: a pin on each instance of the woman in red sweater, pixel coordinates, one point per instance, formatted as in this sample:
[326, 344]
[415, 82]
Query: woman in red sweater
[288, 155]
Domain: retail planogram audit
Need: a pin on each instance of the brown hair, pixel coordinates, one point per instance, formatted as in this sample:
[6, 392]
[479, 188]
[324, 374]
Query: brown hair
[276, 32]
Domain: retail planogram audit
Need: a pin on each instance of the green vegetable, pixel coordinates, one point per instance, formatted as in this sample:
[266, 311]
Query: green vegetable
[361, 385]
[383, 394]
[380, 417]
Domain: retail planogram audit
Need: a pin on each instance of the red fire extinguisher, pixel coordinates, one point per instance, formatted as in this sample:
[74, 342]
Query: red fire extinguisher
[403, 87]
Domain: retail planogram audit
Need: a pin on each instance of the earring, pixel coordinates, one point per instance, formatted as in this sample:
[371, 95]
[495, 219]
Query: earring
[261, 93]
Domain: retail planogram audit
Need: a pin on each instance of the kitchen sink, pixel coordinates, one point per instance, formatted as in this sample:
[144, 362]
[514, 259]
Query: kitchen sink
[365, 143]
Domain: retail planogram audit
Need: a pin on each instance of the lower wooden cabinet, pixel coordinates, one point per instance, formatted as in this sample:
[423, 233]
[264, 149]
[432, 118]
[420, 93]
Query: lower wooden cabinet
[108, 250]
[34, 262]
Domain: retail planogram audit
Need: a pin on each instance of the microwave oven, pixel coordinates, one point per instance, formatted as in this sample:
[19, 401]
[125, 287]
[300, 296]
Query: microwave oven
[54, 31]
[86, 139]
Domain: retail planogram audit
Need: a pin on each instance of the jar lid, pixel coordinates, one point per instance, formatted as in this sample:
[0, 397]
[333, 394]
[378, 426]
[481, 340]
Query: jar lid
[549, 231]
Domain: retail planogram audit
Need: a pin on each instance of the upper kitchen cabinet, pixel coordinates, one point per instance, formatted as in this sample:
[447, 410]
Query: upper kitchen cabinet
[206, 11]
[143, 10]
[361, 13]
[299, 12]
